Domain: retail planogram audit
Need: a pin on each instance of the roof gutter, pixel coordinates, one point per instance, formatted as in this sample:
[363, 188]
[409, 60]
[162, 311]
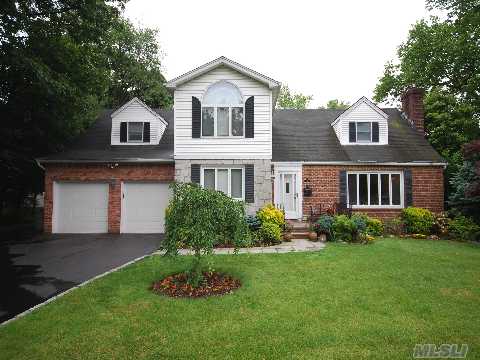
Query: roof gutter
[363, 163]
[366, 163]
[120, 161]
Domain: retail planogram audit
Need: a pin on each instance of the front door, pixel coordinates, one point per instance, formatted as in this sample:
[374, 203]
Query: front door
[289, 198]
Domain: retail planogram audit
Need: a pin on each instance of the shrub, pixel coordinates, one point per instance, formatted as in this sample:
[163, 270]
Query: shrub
[270, 233]
[441, 224]
[271, 214]
[200, 219]
[344, 228]
[360, 221]
[418, 220]
[464, 228]
[324, 225]
[253, 222]
[374, 227]
[394, 226]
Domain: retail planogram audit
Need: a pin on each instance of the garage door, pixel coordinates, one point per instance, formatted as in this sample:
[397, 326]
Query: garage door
[143, 207]
[80, 208]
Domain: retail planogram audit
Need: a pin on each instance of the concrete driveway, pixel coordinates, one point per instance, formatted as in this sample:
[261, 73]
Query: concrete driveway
[36, 270]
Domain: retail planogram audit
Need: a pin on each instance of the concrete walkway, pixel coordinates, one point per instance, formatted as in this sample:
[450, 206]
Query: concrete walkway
[296, 245]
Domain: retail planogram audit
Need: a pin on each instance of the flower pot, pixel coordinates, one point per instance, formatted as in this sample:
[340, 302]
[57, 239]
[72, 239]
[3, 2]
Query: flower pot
[287, 236]
[322, 237]
[312, 235]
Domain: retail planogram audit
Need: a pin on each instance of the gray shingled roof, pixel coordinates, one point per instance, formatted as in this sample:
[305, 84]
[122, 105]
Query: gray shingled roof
[94, 144]
[307, 135]
[298, 135]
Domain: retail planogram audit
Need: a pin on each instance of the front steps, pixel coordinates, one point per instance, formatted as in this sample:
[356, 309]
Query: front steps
[300, 229]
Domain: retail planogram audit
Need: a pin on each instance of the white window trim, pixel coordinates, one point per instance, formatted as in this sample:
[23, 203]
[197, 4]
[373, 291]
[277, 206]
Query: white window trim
[229, 168]
[356, 133]
[215, 106]
[128, 131]
[390, 173]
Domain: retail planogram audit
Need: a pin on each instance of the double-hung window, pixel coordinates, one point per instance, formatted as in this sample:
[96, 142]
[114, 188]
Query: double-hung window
[135, 131]
[375, 189]
[227, 180]
[223, 111]
[363, 132]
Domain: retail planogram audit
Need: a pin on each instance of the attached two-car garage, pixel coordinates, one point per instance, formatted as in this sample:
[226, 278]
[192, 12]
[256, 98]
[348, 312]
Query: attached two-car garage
[83, 207]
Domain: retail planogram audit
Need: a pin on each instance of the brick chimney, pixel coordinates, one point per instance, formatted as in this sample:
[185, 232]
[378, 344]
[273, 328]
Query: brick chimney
[412, 107]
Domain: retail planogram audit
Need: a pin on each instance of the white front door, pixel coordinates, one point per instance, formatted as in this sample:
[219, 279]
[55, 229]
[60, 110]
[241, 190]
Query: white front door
[288, 191]
[143, 207]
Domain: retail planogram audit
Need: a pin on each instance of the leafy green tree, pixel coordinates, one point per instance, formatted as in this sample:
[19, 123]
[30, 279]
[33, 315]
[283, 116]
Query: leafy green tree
[443, 57]
[336, 104]
[61, 61]
[289, 100]
[465, 196]
[135, 65]
[200, 219]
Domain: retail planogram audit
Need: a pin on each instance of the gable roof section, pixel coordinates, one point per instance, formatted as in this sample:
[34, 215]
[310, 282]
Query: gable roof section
[93, 146]
[137, 100]
[307, 136]
[362, 100]
[222, 60]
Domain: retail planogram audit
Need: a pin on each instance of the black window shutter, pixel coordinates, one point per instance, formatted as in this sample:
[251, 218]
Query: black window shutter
[195, 177]
[375, 132]
[352, 132]
[408, 187]
[249, 183]
[249, 117]
[123, 132]
[146, 132]
[343, 189]
[196, 117]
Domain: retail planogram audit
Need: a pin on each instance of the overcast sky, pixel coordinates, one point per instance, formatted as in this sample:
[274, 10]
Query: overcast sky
[328, 49]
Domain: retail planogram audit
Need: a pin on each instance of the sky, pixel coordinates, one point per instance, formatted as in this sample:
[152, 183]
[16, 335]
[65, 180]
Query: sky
[333, 49]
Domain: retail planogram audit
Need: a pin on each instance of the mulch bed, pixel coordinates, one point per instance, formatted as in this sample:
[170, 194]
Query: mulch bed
[214, 284]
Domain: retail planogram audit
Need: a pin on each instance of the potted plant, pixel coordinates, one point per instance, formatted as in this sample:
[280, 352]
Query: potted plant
[287, 233]
[312, 235]
[323, 227]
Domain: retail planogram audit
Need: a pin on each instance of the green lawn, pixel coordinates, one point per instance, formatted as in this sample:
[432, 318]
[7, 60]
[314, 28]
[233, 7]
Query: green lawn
[346, 301]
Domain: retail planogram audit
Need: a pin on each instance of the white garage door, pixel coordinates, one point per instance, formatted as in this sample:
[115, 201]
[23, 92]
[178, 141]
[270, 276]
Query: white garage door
[80, 208]
[143, 207]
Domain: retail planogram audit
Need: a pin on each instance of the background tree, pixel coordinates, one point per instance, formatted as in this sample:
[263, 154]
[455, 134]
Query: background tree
[336, 104]
[61, 61]
[443, 57]
[465, 196]
[290, 100]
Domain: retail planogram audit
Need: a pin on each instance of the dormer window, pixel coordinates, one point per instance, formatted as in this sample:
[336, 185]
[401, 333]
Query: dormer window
[135, 132]
[222, 111]
[363, 132]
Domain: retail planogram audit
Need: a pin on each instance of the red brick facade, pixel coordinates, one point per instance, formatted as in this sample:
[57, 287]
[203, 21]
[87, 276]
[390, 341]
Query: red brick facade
[427, 187]
[114, 175]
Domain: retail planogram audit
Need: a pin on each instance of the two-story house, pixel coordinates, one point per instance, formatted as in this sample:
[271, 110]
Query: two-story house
[225, 134]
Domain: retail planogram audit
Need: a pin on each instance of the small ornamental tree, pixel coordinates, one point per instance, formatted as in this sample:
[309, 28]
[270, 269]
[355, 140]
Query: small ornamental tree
[199, 219]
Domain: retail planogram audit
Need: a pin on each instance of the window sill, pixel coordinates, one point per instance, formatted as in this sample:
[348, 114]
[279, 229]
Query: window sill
[376, 207]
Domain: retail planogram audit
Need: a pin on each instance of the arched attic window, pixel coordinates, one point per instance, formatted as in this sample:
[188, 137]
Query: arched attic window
[222, 111]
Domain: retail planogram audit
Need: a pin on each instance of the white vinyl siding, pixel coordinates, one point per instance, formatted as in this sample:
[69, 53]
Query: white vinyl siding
[363, 112]
[136, 112]
[232, 147]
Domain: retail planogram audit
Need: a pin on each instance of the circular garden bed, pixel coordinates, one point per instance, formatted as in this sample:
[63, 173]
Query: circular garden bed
[214, 283]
